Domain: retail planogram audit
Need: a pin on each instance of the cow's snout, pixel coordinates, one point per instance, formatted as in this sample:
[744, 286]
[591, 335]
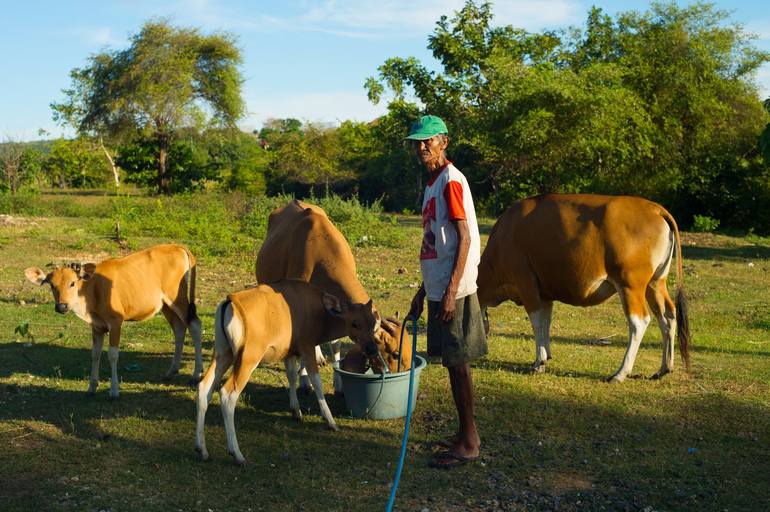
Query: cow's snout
[370, 349]
[61, 307]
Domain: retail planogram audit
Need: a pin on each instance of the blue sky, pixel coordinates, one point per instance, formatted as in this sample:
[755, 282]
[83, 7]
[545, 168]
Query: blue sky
[302, 59]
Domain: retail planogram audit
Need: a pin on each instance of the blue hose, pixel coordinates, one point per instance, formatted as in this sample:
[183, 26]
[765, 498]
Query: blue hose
[396, 479]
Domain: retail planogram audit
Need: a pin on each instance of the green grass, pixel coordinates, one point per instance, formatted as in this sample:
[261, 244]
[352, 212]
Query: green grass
[560, 440]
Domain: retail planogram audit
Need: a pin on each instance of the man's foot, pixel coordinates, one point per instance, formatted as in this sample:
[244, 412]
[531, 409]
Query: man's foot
[449, 459]
[448, 443]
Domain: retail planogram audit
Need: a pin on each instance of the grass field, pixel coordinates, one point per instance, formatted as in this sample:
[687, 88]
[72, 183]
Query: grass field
[562, 440]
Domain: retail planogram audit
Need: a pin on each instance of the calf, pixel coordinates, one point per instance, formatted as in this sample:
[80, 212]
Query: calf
[281, 321]
[134, 287]
[388, 340]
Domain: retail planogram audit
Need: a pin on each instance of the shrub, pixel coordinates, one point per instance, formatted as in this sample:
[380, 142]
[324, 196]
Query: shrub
[704, 224]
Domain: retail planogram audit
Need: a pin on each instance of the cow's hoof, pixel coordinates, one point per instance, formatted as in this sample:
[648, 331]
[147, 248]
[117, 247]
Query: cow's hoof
[539, 368]
[296, 415]
[615, 380]
[659, 374]
[333, 427]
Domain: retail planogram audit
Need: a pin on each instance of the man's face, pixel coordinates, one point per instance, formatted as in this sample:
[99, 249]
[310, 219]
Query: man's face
[430, 151]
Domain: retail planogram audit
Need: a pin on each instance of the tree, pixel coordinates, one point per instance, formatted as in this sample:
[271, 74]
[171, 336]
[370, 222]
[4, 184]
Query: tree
[76, 163]
[660, 104]
[11, 156]
[168, 78]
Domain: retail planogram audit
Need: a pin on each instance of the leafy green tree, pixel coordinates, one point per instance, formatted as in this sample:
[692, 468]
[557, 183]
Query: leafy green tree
[168, 78]
[238, 160]
[76, 163]
[660, 104]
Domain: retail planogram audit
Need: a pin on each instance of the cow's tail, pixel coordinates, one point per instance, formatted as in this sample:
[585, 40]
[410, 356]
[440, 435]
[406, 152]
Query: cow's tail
[682, 318]
[192, 311]
[222, 343]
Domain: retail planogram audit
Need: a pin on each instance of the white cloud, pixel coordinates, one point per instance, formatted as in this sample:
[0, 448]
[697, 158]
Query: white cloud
[99, 36]
[389, 18]
[328, 107]
[763, 81]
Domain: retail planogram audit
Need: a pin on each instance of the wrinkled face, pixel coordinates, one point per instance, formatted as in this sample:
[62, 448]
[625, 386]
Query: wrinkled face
[363, 325]
[430, 151]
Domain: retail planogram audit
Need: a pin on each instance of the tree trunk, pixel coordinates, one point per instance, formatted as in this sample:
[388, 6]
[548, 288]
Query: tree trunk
[163, 178]
[112, 163]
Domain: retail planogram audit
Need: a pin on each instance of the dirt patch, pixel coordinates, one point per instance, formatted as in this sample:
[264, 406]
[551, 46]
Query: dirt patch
[564, 483]
[9, 220]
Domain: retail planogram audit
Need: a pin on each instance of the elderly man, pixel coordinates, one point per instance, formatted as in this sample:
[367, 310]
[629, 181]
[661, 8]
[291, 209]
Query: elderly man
[449, 258]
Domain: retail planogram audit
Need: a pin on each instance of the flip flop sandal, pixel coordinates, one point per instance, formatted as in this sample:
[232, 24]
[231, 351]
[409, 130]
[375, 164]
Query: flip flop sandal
[449, 460]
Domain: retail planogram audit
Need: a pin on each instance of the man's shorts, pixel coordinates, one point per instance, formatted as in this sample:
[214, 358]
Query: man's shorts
[460, 340]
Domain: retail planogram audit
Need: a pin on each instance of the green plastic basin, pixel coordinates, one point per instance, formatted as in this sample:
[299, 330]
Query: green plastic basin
[368, 395]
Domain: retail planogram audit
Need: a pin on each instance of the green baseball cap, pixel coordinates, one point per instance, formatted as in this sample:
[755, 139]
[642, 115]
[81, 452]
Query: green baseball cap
[426, 127]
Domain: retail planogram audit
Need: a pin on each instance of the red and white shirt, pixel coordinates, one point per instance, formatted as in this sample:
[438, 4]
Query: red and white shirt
[447, 198]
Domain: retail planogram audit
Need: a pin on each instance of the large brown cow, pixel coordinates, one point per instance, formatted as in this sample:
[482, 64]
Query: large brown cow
[302, 243]
[581, 250]
[135, 287]
[271, 323]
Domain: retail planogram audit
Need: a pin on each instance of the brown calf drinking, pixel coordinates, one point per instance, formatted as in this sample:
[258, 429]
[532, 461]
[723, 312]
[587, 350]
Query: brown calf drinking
[281, 321]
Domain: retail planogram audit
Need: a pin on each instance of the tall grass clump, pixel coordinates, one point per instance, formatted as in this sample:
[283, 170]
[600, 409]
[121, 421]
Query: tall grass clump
[362, 225]
[200, 219]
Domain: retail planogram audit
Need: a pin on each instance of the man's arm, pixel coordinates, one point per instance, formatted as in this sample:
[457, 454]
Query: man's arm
[461, 257]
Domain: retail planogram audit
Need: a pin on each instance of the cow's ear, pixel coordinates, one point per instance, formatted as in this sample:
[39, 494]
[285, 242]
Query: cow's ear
[333, 305]
[36, 275]
[397, 314]
[87, 270]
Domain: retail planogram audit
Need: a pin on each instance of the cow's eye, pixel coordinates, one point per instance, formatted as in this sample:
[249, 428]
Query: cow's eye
[72, 284]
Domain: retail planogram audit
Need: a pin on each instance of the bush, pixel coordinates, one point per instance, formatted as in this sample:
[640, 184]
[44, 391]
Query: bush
[704, 224]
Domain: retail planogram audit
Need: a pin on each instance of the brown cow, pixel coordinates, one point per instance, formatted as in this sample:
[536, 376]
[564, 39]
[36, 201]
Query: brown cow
[388, 340]
[302, 243]
[581, 250]
[134, 287]
[271, 323]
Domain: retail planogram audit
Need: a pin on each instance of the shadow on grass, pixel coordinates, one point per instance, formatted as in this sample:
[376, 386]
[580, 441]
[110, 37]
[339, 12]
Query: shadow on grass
[691, 252]
[703, 452]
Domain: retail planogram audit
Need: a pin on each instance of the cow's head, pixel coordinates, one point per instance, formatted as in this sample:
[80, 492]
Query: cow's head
[362, 322]
[65, 282]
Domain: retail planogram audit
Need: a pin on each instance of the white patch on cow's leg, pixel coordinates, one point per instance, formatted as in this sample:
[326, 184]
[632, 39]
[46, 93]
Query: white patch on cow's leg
[290, 363]
[336, 345]
[195, 333]
[228, 401]
[315, 377]
[179, 329]
[547, 315]
[540, 320]
[97, 337]
[636, 327]
[113, 353]
[304, 381]
[667, 326]
[220, 363]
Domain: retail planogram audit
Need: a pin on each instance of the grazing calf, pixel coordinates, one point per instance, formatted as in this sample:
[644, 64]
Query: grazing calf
[387, 339]
[581, 250]
[270, 323]
[134, 287]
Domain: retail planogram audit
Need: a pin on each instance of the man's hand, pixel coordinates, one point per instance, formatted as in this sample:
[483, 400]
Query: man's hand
[417, 303]
[448, 301]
